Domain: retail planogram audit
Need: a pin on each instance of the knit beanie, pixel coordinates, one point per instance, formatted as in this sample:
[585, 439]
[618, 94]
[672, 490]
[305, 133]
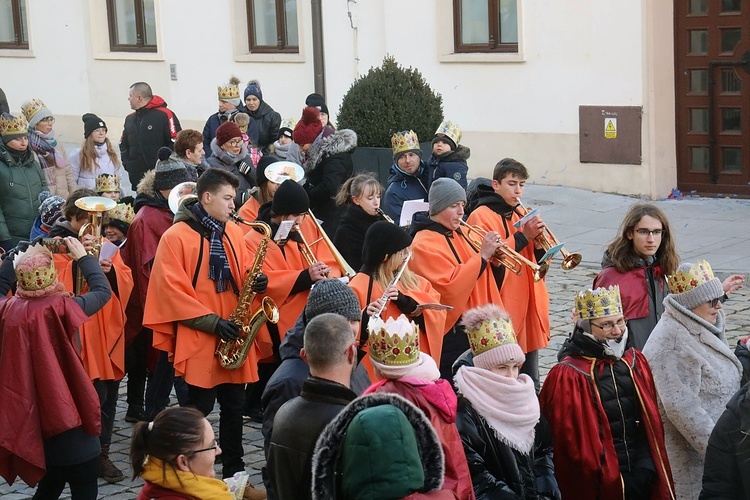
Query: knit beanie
[91, 122]
[50, 209]
[382, 240]
[308, 127]
[317, 101]
[694, 284]
[253, 88]
[444, 192]
[290, 198]
[13, 127]
[35, 111]
[445, 139]
[170, 171]
[491, 337]
[333, 296]
[287, 127]
[226, 132]
[260, 170]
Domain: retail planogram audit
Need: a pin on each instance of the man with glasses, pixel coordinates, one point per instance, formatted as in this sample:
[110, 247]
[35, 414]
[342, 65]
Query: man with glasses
[600, 402]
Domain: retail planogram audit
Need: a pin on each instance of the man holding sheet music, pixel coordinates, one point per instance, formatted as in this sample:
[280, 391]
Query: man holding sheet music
[409, 178]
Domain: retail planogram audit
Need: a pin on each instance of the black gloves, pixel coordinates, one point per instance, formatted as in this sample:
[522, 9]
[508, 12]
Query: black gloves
[406, 304]
[227, 330]
[261, 283]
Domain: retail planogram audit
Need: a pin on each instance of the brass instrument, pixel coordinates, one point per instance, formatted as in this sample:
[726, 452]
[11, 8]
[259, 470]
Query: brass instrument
[547, 240]
[180, 193]
[508, 257]
[346, 269]
[384, 297]
[304, 248]
[383, 215]
[233, 354]
[95, 206]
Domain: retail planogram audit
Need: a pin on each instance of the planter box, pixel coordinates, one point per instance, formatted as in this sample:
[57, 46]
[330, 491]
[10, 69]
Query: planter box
[379, 160]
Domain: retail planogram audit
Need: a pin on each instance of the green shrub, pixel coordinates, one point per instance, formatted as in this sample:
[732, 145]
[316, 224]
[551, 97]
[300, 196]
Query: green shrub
[389, 99]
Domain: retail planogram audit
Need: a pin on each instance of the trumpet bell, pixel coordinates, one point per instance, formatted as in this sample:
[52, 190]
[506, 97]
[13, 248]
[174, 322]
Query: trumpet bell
[180, 193]
[570, 261]
[95, 203]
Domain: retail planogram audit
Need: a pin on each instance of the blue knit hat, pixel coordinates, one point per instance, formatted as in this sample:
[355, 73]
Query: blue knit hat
[253, 88]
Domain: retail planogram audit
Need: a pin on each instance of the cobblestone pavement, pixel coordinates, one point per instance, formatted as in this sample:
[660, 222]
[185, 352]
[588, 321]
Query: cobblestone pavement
[561, 284]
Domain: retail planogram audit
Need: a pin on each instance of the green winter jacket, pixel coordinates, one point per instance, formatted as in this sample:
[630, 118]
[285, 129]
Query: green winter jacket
[21, 181]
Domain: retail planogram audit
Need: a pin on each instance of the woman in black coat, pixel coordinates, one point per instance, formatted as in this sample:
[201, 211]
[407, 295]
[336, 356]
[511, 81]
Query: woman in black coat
[360, 195]
[267, 121]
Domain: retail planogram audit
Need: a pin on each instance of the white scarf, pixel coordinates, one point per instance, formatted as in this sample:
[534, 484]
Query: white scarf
[509, 405]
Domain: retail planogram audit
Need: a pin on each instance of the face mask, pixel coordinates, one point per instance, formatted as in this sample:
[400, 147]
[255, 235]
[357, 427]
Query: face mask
[616, 347]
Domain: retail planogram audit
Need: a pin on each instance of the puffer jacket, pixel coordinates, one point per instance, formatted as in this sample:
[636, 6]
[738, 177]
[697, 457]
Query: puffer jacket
[328, 166]
[267, 123]
[21, 181]
[241, 166]
[104, 165]
[451, 165]
[402, 187]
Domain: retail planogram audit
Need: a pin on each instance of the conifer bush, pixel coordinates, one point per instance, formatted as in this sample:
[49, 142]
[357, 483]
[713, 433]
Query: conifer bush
[388, 99]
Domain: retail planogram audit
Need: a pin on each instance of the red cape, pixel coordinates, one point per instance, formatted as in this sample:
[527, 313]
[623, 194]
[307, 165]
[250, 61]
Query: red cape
[586, 465]
[633, 288]
[44, 388]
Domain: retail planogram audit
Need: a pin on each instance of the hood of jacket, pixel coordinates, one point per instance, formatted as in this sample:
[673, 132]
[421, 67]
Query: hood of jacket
[421, 221]
[486, 196]
[639, 262]
[462, 153]
[185, 214]
[155, 102]
[294, 340]
[328, 450]
[341, 141]
[220, 154]
[395, 174]
[63, 229]
[578, 344]
[146, 194]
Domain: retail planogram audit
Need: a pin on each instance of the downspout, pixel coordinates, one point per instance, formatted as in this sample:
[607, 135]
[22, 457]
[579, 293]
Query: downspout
[319, 72]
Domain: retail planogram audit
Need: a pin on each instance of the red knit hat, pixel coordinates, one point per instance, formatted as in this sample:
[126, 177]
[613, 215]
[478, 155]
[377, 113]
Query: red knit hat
[226, 132]
[309, 126]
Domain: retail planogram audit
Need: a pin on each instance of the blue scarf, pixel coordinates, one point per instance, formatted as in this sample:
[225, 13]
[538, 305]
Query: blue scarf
[218, 264]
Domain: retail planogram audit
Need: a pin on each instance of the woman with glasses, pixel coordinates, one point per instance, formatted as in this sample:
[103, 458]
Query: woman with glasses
[695, 371]
[228, 152]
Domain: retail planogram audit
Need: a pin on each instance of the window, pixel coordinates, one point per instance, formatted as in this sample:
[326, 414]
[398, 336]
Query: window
[485, 25]
[13, 28]
[132, 25]
[272, 26]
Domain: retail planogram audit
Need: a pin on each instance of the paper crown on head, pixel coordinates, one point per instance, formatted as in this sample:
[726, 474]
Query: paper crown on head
[34, 278]
[450, 130]
[13, 125]
[122, 212]
[289, 123]
[230, 91]
[697, 274]
[107, 182]
[492, 331]
[404, 141]
[599, 303]
[394, 342]
[34, 107]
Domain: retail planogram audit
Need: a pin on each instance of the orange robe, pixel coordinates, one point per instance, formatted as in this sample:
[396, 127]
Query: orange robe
[282, 269]
[430, 337]
[249, 212]
[103, 336]
[171, 299]
[458, 281]
[527, 302]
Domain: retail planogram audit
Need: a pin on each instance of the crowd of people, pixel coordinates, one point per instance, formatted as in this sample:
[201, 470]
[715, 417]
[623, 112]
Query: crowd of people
[254, 268]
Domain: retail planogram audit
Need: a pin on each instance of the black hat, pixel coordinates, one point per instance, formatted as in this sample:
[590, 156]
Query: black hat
[91, 122]
[290, 198]
[382, 240]
[260, 170]
[316, 101]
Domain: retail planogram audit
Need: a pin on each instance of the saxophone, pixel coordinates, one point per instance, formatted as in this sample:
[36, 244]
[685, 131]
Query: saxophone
[233, 354]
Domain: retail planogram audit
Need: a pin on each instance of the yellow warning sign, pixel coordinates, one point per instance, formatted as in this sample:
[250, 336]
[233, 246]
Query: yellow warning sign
[610, 128]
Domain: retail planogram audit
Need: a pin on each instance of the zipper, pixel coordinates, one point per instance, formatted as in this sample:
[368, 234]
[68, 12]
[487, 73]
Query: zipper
[622, 415]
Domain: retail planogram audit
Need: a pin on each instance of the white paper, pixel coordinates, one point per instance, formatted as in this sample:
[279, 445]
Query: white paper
[411, 207]
[283, 232]
[108, 250]
[526, 218]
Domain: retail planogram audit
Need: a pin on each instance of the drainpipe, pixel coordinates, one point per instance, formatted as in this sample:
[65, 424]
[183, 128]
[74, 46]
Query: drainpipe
[319, 72]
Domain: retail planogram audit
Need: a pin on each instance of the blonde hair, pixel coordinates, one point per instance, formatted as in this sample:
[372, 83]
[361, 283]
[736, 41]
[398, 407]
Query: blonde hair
[88, 154]
[387, 269]
[358, 186]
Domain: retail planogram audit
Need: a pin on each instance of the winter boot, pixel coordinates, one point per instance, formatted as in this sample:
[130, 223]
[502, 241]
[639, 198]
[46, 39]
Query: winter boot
[107, 469]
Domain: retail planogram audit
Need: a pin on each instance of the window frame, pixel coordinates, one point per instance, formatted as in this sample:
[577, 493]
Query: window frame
[493, 45]
[140, 34]
[19, 43]
[281, 46]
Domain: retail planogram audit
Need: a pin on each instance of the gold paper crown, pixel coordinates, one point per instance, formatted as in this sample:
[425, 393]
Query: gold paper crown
[289, 123]
[13, 125]
[490, 333]
[696, 275]
[122, 212]
[404, 141]
[599, 303]
[32, 107]
[37, 278]
[230, 91]
[450, 130]
[107, 182]
[394, 342]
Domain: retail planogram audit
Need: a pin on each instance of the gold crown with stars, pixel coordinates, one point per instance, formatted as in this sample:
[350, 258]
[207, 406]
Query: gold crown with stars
[394, 342]
[406, 140]
[695, 276]
[599, 303]
[107, 182]
[35, 278]
[450, 130]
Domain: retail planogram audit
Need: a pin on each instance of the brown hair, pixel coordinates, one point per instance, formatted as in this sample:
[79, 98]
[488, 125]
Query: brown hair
[187, 139]
[358, 186]
[88, 154]
[509, 166]
[621, 251]
[70, 211]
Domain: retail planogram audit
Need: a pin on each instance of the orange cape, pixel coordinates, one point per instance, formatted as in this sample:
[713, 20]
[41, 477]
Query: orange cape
[527, 302]
[171, 299]
[249, 212]
[430, 337]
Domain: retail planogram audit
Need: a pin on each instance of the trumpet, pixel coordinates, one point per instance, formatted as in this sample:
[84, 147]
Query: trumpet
[95, 206]
[383, 215]
[512, 260]
[547, 240]
[304, 248]
[346, 269]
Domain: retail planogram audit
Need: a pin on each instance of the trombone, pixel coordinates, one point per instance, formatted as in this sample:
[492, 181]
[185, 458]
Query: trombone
[346, 269]
[304, 248]
[547, 240]
[508, 257]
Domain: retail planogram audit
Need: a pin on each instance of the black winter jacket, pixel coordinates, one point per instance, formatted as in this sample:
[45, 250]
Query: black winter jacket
[451, 165]
[743, 354]
[350, 235]
[267, 123]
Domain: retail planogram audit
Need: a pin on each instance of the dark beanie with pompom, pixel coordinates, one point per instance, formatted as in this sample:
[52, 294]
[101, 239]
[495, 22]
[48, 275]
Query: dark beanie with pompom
[309, 126]
[170, 171]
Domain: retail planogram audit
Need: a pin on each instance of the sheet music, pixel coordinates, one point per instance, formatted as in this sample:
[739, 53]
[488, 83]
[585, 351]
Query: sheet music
[411, 207]
[283, 232]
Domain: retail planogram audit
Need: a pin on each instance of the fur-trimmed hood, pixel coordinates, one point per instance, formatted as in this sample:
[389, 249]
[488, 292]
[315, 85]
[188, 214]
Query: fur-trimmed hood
[341, 141]
[327, 456]
[146, 195]
[146, 184]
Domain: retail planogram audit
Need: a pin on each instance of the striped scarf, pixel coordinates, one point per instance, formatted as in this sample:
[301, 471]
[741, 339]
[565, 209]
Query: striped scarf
[218, 264]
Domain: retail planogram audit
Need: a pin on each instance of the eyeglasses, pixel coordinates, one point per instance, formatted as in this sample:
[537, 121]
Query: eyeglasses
[718, 300]
[216, 445]
[658, 233]
[608, 326]
[49, 119]
[235, 142]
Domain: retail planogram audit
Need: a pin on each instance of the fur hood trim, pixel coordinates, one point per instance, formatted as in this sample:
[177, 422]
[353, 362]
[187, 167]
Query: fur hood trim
[461, 153]
[341, 141]
[325, 474]
[146, 184]
[222, 155]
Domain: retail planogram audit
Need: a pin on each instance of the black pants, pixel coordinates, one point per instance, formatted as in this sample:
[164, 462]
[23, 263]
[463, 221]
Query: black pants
[135, 366]
[80, 477]
[531, 368]
[107, 391]
[160, 387]
[455, 343]
[231, 399]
